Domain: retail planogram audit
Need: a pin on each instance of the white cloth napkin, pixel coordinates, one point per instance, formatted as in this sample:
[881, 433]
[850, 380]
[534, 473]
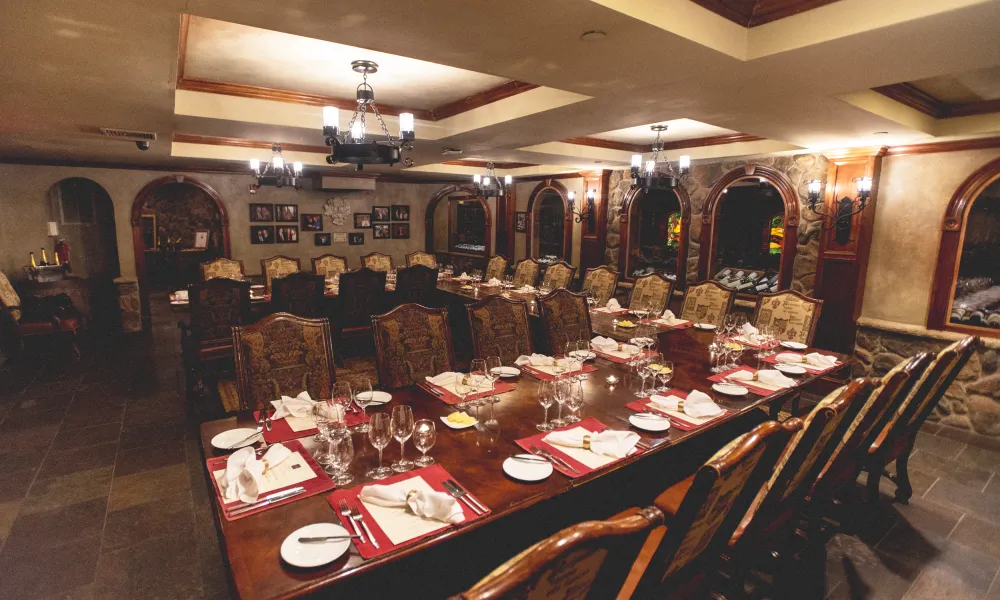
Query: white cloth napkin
[493, 282]
[299, 406]
[438, 506]
[535, 360]
[749, 333]
[765, 376]
[181, 295]
[245, 473]
[446, 378]
[813, 359]
[616, 444]
[669, 317]
[526, 289]
[463, 277]
[604, 344]
[612, 305]
[697, 404]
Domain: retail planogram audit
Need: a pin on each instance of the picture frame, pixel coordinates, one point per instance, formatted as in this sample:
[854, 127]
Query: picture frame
[400, 231]
[381, 214]
[312, 222]
[286, 234]
[339, 238]
[201, 239]
[150, 237]
[400, 212]
[380, 231]
[356, 239]
[261, 213]
[362, 220]
[261, 234]
[322, 239]
[521, 222]
[286, 213]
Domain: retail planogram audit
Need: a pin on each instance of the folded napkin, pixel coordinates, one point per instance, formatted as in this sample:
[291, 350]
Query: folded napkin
[616, 444]
[697, 404]
[813, 359]
[493, 282]
[669, 317]
[613, 305]
[245, 473]
[463, 277]
[766, 376]
[604, 344]
[749, 333]
[438, 506]
[526, 289]
[535, 360]
[299, 406]
[446, 378]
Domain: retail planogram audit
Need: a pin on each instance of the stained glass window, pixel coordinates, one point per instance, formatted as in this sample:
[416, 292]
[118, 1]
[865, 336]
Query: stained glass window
[777, 234]
[674, 230]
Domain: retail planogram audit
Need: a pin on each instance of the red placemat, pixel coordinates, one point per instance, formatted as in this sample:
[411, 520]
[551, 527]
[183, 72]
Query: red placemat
[643, 405]
[774, 360]
[449, 398]
[619, 360]
[668, 327]
[590, 424]
[434, 475]
[317, 485]
[543, 376]
[281, 432]
[760, 391]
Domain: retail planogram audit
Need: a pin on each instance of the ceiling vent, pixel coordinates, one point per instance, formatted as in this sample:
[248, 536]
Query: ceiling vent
[129, 135]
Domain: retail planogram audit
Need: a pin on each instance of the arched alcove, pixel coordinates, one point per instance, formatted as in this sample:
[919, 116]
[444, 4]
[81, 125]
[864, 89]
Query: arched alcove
[457, 222]
[85, 216]
[654, 235]
[550, 222]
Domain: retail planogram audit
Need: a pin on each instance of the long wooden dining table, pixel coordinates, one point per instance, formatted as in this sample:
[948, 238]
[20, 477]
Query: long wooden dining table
[521, 513]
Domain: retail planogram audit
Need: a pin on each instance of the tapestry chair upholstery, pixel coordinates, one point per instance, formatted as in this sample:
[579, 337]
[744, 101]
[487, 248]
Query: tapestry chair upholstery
[300, 294]
[416, 284]
[790, 315]
[496, 268]
[362, 293]
[376, 261]
[216, 306]
[601, 282]
[652, 292]
[707, 302]
[329, 265]
[223, 267]
[565, 318]
[558, 275]
[277, 266]
[412, 342]
[421, 258]
[500, 327]
[526, 272]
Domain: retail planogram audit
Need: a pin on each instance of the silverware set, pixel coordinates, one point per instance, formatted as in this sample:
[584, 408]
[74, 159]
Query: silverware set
[326, 538]
[555, 460]
[239, 509]
[352, 514]
[460, 494]
[263, 421]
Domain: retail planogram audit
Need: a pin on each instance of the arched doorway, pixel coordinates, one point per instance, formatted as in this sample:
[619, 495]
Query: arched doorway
[458, 224]
[654, 232]
[550, 223]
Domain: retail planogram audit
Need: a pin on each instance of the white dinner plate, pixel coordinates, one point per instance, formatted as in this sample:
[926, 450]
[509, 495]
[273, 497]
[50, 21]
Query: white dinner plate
[527, 470]
[226, 439]
[313, 555]
[705, 326]
[790, 369]
[730, 389]
[794, 345]
[378, 397]
[651, 423]
[506, 372]
[456, 425]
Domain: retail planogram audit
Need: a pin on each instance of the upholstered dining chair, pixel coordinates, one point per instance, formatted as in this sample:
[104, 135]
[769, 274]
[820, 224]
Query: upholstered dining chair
[421, 258]
[791, 316]
[376, 261]
[300, 294]
[701, 514]
[496, 268]
[283, 355]
[223, 267]
[707, 302]
[500, 328]
[22, 321]
[587, 560]
[565, 317]
[329, 265]
[652, 291]
[416, 283]
[361, 294]
[277, 266]
[558, 275]
[216, 306]
[526, 272]
[601, 282]
[412, 342]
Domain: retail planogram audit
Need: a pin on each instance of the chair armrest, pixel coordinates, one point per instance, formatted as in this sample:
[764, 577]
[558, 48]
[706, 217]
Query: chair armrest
[670, 501]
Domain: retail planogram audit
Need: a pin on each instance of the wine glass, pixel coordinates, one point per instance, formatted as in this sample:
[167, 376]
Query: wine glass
[574, 401]
[462, 390]
[322, 416]
[380, 434]
[546, 397]
[478, 379]
[493, 366]
[729, 323]
[401, 426]
[665, 374]
[363, 396]
[561, 391]
[340, 447]
[633, 351]
[424, 435]
[342, 398]
[644, 370]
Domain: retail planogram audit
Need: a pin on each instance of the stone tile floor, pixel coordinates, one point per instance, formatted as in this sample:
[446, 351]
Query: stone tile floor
[102, 494]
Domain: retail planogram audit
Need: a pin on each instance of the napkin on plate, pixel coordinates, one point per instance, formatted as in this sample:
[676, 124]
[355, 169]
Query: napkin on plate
[299, 406]
[245, 473]
[463, 277]
[535, 360]
[697, 404]
[813, 359]
[604, 344]
[446, 378]
[526, 289]
[493, 282]
[612, 305]
[669, 317]
[438, 506]
[749, 333]
[767, 376]
[181, 295]
[616, 444]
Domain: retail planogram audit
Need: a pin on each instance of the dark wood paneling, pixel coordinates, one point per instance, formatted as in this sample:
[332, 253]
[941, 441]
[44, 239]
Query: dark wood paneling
[917, 99]
[187, 138]
[836, 327]
[504, 90]
[715, 140]
[551, 184]
[751, 13]
[482, 164]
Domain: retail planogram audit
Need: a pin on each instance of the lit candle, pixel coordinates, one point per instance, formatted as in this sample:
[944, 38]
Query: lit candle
[612, 380]
[636, 160]
[297, 167]
[358, 131]
[331, 116]
[684, 162]
[254, 164]
[405, 123]
[507, 179]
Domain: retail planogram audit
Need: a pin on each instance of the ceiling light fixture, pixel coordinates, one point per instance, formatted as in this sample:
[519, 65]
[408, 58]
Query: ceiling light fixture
[354, 147]
[844, 209]
[657, 173]
[594, 35]
[489, 185]
[275, 172]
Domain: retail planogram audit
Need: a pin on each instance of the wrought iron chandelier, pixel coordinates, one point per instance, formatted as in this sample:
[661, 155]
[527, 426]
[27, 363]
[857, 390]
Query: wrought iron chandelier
[840, 217]
[489, 185]
[354, 147]
[657, 173]
[276, 172]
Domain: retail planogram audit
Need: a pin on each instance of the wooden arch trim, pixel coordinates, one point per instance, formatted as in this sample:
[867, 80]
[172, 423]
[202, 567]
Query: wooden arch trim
[557, 187]
[631, 203]
[444, 193]
[789, 197]
[952, 231]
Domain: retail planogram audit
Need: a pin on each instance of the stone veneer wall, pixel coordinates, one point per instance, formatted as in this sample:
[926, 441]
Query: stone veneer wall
[799, 169]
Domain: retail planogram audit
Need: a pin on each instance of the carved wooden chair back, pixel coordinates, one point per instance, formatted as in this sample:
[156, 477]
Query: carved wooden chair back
[216, 306]
[412, 342]
[652, 291]
[300, 294]
[277, 266]
[329, 265]
[361, 294]
[376, 261]
[601, 282]
[558, 275]
[707, 302]
[9, 298]
[421, 258]
[496, 268]
[223, 267]
[500, 327]
[565, 317]
[791, 316]
[526, 272]
[416, 283]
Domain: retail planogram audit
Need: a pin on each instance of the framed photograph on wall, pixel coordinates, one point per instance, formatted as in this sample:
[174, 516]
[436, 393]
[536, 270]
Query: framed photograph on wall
[262, 234]
[400, 231]
[312, 222]
[322, 239]
[380, 232]
[356, 239]
[261, 213]
[287, 234]
[286, 213]
[380, 214]
[400, 212]
[521, 222]
[362, 220]
[200, 239]
[339, 238]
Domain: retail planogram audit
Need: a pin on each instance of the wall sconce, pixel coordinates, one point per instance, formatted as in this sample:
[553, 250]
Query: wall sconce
[845, 208]
[589, 208]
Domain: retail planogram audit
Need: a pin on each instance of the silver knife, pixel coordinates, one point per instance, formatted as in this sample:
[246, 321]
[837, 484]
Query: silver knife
[559, 460]
[434, 390]
[263, 503]
[326, 538]
[278, 495]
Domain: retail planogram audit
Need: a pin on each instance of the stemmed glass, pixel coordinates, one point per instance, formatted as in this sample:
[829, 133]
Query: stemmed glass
[424, 435]
[574, 401]
[341, 451]
[322, 414]
[462, 390]
[478, 378]
[665, 374]
[342, 397]
[493, 366]
[561, 393]
[363, 396]
[583, 351]
[380, 434]
[729, 324]
[402, 428]
[634, 350]
[546, 397]
[644, 370]
[573, 360]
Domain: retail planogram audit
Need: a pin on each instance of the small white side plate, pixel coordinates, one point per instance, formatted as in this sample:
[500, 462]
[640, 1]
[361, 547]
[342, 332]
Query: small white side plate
[794, 345]
[650, 423]
[226, 439]
[307, 556]
[378, 397]
[730, 389]
[790, 369]
[705, 326]
[456, 425]
[527, 470]
[506, 372]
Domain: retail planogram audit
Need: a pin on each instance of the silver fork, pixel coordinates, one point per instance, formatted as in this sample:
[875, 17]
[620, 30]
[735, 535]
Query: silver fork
[356, 515]
[553, 458]
[260, 429]
[346, 511]
[460, 494]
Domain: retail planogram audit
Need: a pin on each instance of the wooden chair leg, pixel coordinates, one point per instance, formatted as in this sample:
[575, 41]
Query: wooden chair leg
[875, 470]
[904, 491]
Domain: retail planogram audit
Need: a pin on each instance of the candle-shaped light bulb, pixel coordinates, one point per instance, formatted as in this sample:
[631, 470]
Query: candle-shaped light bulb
[507, 180]
[684, 162]
[571, 196]
[865, 185]
[331, 116]
[297, 167]
[277, 162]
[358, 131]
[477, 179]
[486, 181]
[405, 123]
[814, 185]
[650, 165]
[254, 165]
[636, 160]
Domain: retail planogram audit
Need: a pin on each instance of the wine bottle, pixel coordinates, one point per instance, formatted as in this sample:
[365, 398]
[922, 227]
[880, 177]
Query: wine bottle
[33, 264]
[45, 261]
[993, 319]
[761, 287]
[977, 316]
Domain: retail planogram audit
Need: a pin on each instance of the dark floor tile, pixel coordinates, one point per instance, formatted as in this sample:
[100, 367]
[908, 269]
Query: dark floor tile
[929, 517]
[36, 402]
[931, 428]
[149, 457]
[977, 534]
[59, 571]
[867, 573]
[50, 528]
[66, 490]
[21, 460]
[14, 485]
[939, 446]
[161, 568]
[981, 458]
[959, 470]
[152, 435]
[970, 438]
[89, 436]
[980, 505]
[80, 418]
[47, 388]
[29, 439]
[148, 486]
[171, 515]
[964, 571]
[66, 462]
[21, 419]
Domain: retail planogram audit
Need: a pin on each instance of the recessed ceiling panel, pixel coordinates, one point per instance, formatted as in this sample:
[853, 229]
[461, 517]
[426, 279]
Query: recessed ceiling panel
[678, 129]
[973, 86]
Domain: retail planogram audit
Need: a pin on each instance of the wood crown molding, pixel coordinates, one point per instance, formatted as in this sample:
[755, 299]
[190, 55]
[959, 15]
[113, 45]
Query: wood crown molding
[952, 146]
[482, 164]
[715, 140]
[209, 140]
[919, 100]
[752, 13]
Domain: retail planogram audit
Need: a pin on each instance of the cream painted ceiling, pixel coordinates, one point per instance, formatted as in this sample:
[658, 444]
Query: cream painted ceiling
[678, 129]
[800, 82]
[973, 86]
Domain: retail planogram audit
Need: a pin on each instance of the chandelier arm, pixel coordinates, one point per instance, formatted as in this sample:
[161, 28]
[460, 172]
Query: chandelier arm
[385, 129]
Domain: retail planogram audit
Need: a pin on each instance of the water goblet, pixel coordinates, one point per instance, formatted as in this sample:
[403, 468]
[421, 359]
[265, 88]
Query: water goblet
[561, 387]
[363, 396]
[493, 366]
[462, 390]
[424, 435]
[402, 428]
[342, 398]
[644, 369]
[380, 435]
[340, 447]
[546, 397]
[574, 401]
[665, 374]
[478, 380]
[321, 415]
